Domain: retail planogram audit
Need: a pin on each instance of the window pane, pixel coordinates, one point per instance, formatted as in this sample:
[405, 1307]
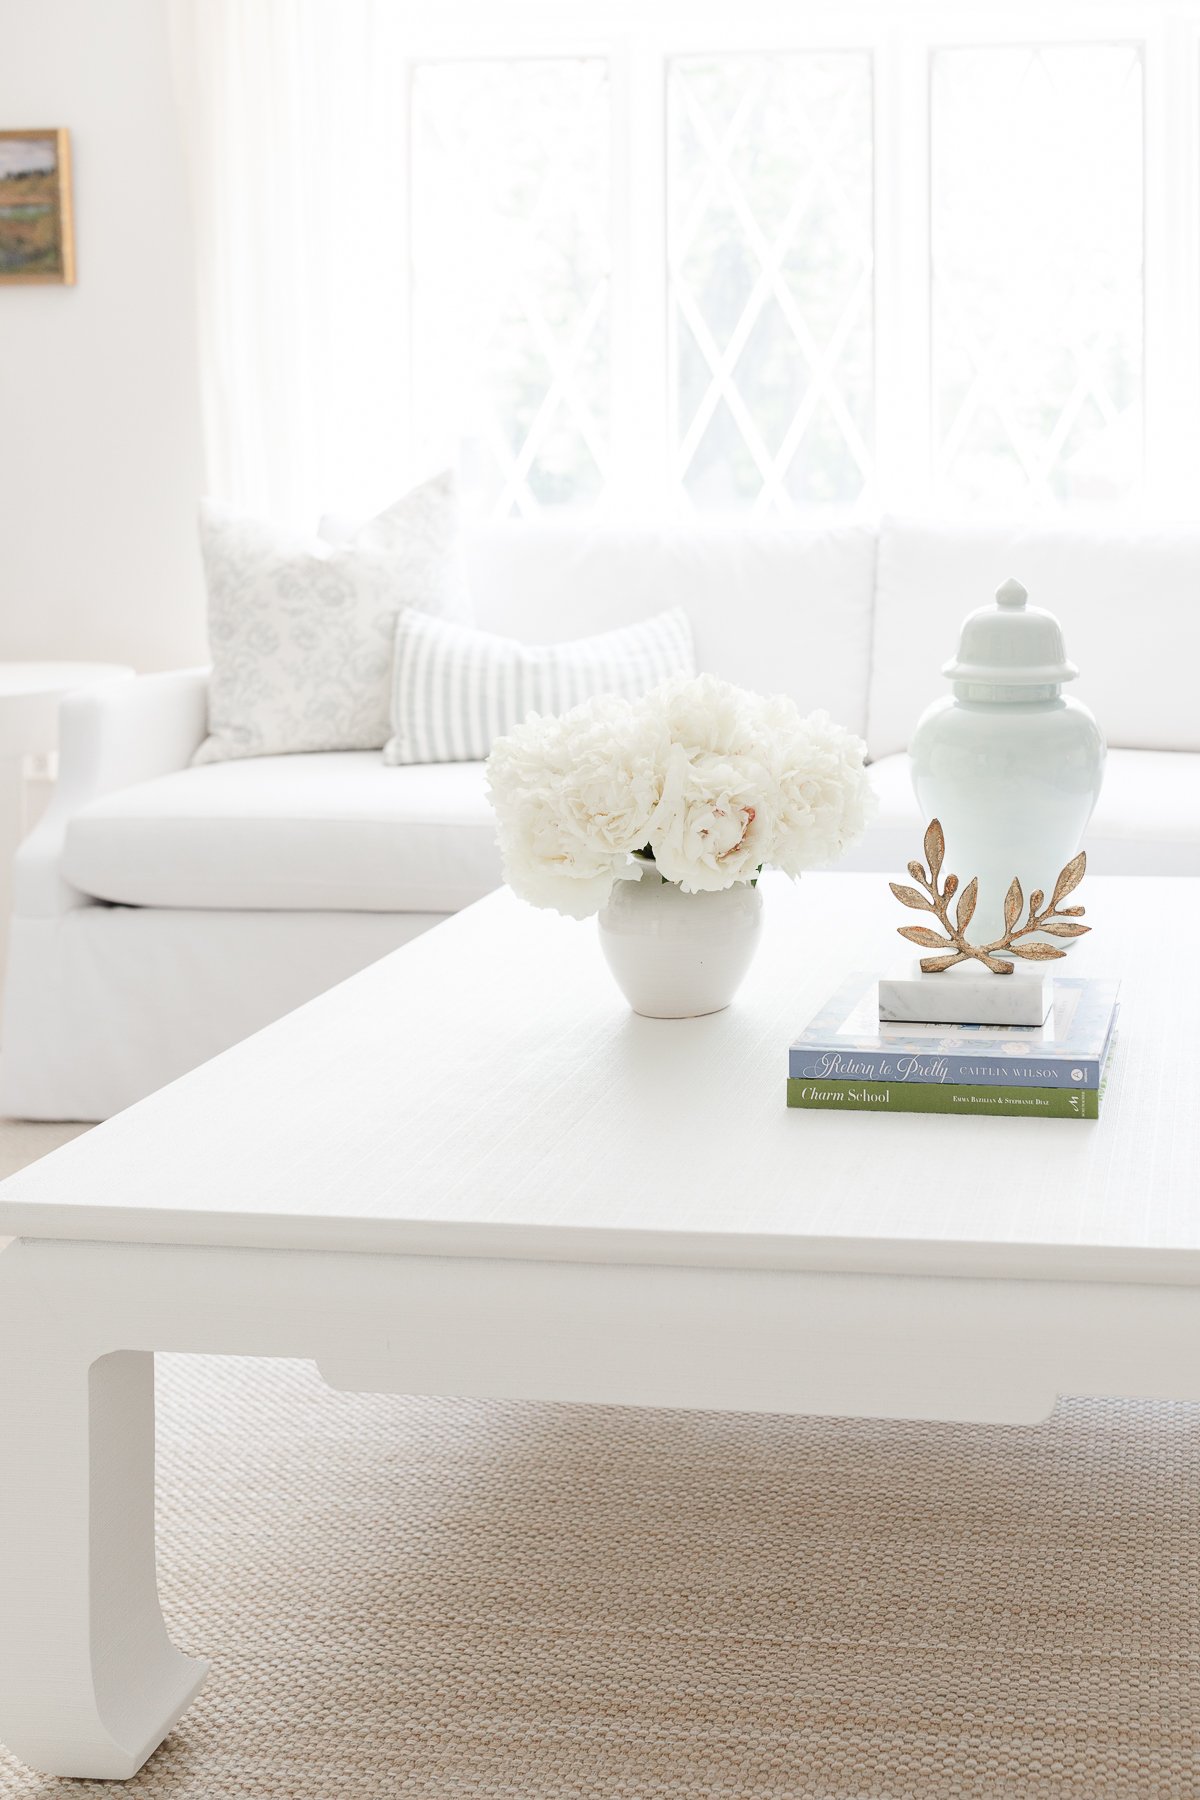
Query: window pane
[1037, 274]
[511, 273]
[769, 203]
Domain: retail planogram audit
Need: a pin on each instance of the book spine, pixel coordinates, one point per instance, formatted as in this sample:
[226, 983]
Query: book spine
[944, 1097]
[952, 1070]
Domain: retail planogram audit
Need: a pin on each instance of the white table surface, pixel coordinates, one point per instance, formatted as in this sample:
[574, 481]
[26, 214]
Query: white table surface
[486, 1091]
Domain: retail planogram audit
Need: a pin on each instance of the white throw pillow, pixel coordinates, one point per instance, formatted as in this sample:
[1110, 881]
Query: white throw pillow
[301, 633]
[455, 690]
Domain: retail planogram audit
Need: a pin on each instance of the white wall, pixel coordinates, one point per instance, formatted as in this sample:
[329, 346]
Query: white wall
[100, 452]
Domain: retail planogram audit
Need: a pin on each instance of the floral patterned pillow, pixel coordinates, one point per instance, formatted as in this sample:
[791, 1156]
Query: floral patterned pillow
[301, 633]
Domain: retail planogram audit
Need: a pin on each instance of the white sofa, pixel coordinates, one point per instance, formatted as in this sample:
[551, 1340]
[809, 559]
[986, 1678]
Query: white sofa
[163, 912]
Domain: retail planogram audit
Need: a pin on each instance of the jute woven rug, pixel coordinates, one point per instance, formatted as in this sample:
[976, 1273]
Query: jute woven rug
[444, 1598]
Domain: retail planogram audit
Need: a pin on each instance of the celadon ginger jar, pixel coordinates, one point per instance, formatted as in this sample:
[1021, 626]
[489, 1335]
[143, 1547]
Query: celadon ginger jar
[1010, 767]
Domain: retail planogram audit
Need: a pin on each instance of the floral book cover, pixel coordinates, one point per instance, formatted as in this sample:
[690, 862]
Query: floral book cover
[847, 1040]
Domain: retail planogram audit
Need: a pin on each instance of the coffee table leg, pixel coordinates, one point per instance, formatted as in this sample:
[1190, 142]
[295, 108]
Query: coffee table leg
[89, 1682]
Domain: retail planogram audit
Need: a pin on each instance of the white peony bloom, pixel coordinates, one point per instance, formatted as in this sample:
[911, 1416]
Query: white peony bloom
[702, 712]
[617, 753]
[825, 800]
[717, 781]
[573, 797]
[714, 824]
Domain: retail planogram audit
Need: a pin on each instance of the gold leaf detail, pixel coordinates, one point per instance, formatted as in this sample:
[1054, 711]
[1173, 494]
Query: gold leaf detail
[1070, 878]
[966, 904]
[936, 895]
[921, 934]
[909, 897]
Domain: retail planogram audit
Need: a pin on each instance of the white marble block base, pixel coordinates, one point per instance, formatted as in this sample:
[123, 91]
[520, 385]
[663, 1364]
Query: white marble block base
[965, 995]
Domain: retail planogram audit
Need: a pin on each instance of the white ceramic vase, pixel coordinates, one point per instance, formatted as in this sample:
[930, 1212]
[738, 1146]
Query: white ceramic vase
[1010, 767]
[677, 955]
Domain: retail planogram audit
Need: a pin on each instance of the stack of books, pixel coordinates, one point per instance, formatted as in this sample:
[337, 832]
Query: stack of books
[850, 1061]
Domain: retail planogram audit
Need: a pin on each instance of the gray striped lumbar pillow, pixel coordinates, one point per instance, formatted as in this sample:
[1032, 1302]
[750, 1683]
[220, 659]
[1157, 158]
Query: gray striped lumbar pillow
[455, 690]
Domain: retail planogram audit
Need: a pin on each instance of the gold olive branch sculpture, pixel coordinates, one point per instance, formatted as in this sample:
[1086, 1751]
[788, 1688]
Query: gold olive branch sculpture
[1053, 920]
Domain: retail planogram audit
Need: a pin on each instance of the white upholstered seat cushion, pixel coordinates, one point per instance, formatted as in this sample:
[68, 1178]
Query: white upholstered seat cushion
[341, 832]
[335, 831]
[1146, 822]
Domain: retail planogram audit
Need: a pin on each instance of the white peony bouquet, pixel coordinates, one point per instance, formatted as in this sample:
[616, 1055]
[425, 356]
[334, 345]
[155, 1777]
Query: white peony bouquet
[706, 781]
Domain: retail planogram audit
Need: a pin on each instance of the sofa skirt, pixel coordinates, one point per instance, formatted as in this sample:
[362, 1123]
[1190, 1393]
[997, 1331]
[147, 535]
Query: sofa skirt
[104, 1004]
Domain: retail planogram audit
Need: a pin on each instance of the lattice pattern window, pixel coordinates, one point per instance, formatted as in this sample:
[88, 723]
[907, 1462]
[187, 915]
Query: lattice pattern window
[511, 269]
[769, 245]
[646, 276]
[1037, 228]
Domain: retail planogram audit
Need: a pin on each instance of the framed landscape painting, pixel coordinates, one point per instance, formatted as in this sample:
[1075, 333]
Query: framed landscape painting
[36, 237]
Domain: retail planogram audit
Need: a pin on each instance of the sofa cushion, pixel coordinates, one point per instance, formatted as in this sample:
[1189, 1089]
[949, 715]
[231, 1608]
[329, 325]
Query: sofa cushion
[341, 832]
[301, 632]
[778, 608]
[455, 690]
[1123, 596]
[1146, 822]
[335, 831]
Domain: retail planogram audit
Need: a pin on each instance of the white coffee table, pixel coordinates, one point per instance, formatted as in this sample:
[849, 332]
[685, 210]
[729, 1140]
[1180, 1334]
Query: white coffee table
[470, 1170]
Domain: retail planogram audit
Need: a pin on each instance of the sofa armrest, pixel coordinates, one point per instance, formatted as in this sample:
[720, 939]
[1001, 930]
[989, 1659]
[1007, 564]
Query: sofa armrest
[111, 736]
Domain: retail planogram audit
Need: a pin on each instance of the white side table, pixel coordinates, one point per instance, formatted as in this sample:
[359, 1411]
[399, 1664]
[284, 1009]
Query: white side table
[30, 693]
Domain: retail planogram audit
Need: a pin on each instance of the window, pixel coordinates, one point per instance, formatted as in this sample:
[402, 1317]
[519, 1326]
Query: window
[769, 253]
[642, 256]
[812, 263]
[1036, 162]
[510, 257]
[800, 262]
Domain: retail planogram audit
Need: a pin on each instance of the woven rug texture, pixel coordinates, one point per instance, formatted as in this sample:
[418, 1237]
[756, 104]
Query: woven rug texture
[446, 1598]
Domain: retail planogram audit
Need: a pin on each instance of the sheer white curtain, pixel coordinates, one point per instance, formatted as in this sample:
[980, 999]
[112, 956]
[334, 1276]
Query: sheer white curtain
[293, 114]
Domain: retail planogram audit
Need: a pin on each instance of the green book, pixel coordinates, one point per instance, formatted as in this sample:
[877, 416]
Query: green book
[949, 1097]
[943, 1097]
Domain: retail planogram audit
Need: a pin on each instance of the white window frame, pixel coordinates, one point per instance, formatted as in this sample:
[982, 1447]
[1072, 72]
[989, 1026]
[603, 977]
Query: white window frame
[639, 37]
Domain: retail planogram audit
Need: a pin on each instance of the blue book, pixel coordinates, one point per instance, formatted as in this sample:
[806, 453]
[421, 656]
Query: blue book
[847, 1041]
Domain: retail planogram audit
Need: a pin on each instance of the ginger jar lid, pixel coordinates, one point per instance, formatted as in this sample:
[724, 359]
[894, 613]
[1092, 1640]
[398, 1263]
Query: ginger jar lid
[1011, 645]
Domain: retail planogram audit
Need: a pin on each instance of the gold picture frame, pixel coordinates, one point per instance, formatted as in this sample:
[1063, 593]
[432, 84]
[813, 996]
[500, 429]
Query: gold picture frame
[37, 229]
